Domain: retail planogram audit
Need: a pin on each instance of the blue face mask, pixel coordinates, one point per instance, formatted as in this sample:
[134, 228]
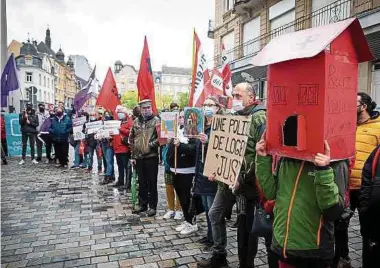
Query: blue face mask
[107, 117]
[209, 112]
[121, 116]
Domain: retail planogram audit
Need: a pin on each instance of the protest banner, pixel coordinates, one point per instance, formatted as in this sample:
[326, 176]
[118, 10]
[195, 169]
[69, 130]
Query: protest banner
[78, 128]
[112, 126]
[94, 127]
[226, 147]
[194, 120]
[13, 134]
[169, 124]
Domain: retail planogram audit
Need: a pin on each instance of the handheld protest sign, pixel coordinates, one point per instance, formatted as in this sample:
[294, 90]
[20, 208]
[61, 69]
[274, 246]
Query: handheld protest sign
[194, 121]
[226, 147]
[78, 128]
[169, 124]
[312, 90]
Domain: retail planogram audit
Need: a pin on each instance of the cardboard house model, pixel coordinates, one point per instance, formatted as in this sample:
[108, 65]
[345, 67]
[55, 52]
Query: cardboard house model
[312, 89]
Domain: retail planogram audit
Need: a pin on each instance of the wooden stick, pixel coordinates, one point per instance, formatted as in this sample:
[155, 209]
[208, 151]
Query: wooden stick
[203, 131]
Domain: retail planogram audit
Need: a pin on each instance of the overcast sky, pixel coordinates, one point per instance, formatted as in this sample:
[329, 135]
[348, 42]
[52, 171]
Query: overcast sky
[105, 31]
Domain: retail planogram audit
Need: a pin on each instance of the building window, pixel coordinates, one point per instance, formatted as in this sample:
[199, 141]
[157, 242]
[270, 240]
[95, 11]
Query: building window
[229, 43]
[44, 81]
[48, 82]
[40, 79]
[44, 97]
[251, 31]
[228, 5]
[29, 77]
[282, 16]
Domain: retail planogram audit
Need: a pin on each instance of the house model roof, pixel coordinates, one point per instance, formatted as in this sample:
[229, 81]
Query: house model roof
[309, 43]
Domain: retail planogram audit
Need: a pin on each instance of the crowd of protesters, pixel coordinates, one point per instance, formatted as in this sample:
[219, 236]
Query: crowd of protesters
[308, 231]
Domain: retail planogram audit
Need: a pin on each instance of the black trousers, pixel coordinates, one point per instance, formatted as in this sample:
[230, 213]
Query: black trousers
[341, 230]
[32, 141]
[122, 160]
[48, 144]
[4, 146]
[62, 152]
[147, 171]
[182, 184]
[371, 254]
[248, 243]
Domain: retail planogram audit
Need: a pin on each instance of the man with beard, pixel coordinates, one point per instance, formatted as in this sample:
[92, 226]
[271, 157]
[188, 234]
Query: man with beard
[144, 145]
[367, 138]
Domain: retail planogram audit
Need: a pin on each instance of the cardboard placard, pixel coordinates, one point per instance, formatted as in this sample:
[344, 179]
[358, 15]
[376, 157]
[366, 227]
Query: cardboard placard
[78, 128]
[169, 124]
[94, 127]
[194, 121]
[112, 126]
[226, 147]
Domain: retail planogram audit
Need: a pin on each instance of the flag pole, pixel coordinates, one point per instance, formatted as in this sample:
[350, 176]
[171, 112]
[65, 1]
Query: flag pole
[175, 147]
[203, 131]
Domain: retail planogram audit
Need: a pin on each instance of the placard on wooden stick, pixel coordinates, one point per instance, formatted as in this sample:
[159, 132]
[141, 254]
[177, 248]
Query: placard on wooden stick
[226, 147]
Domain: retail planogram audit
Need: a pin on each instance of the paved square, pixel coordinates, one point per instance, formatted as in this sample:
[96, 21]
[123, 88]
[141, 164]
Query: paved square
[61, 218]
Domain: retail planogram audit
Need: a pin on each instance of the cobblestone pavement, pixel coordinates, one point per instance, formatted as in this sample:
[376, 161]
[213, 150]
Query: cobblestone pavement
[61, 218]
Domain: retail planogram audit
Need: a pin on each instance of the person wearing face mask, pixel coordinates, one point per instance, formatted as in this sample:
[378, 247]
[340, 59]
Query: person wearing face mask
[367, 138]
[108, 154]
[42, 116]
[202, 186]
[29, 123]
[144, 143]
[92, 145]
[46, 136]
[60, 129]
[120, 146]
[182, 167]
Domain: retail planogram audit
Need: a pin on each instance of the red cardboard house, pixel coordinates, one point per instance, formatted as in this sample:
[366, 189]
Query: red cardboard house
[312, 89]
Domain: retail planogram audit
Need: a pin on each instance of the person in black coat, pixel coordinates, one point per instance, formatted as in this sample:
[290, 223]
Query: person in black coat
[29, 123]
[369, 210]
[183, 170]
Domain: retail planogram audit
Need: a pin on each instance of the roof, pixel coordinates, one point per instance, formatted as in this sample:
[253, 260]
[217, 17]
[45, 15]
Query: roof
[309, 43]
[28, 49]
[43, 48]
[176, 70]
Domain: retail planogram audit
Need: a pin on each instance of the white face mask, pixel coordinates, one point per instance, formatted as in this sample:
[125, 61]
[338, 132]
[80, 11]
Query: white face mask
[237, 105]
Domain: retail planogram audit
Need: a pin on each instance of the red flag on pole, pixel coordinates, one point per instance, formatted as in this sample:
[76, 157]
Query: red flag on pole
[227, 75]
[199, 74]
[145, 82]
[108, 97]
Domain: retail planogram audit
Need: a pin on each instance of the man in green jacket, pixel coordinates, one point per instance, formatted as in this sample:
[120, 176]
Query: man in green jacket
[309, 197]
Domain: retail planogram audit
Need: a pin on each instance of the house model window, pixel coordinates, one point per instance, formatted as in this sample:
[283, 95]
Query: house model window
[294, 132]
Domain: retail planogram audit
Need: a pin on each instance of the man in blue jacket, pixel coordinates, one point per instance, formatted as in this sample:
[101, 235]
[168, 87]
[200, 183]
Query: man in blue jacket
[60, 129]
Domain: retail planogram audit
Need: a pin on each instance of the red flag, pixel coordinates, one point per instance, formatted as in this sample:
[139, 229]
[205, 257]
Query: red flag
[199, 74]
[145, 83]
[108, 97]
[227, 75]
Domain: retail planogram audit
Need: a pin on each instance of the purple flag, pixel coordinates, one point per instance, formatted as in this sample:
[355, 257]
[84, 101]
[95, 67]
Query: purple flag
[44, 129]
[83, 95]
[9, 80]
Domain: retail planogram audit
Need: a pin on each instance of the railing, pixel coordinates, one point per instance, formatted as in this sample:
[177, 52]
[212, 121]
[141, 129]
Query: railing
[337, 11]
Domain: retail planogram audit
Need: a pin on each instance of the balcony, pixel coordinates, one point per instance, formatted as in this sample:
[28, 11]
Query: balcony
[243, 7]
[242, 55]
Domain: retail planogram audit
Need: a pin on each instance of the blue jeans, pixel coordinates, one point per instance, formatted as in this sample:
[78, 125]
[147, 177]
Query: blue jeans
[108, 154]
[207, 203]
[76, 154]
[90, 160]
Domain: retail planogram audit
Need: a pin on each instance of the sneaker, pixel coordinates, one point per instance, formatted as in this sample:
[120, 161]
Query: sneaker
[178, 215]
[215, 261]
[74, 167]
[151, 212]
[181, 227]
[5, 162]
[47, 161]
[34, 161]
[169, 214]
[21, 162]
[189, 229]
[58, 165]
